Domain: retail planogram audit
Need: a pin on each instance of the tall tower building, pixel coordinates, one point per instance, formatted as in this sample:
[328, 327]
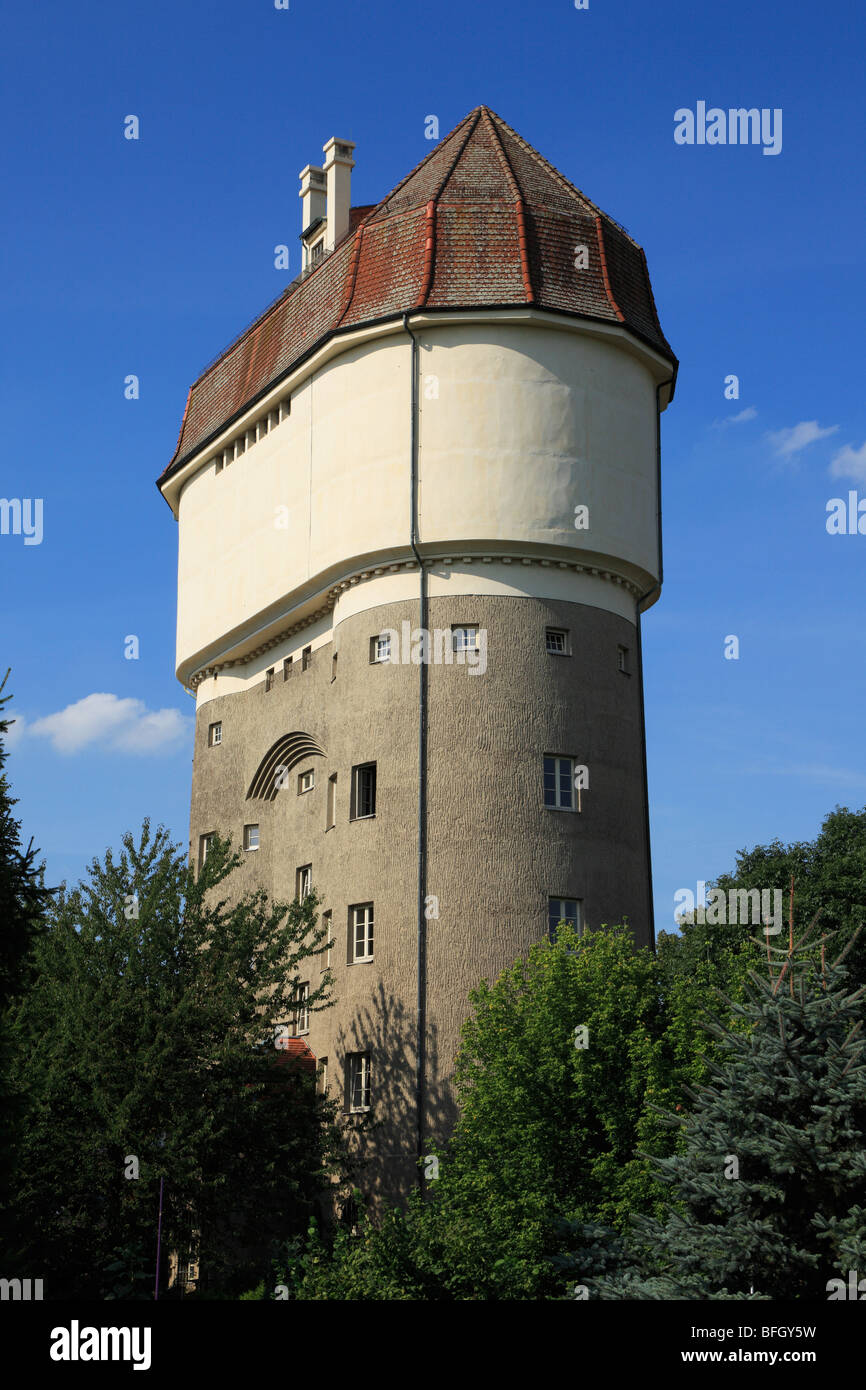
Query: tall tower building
[419, 519]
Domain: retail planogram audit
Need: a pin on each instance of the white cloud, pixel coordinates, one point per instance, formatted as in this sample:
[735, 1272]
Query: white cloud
[850, 463]
[116, 725]
[790, 441]
[748, 414]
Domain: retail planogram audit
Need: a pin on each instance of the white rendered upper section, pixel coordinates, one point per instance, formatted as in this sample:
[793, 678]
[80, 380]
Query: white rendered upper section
[522, 419]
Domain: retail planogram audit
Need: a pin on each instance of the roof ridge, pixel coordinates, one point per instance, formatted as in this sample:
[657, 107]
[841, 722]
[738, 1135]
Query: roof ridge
[476, 111]
[520, 205]
[560, 177]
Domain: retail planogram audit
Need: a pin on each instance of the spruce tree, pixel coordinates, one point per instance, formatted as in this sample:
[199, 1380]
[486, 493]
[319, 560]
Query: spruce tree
[770, 1184]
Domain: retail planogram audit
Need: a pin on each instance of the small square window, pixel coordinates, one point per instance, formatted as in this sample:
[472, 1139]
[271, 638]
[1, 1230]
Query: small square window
[251, 837]
[380, 647]
[303, 882]
[306, 658]
[358, 1079]
[269, 679]
[559, 783]
[564, 910]
[622, 660]
[464, 639]
[361, 932]
[363, 792]
[556, 641]
[215, 735]
[306, 781]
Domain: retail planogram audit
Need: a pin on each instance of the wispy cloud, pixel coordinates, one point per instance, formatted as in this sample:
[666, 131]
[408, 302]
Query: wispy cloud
[850, 463]
[109, 723]
[788, 442]
[749, 413]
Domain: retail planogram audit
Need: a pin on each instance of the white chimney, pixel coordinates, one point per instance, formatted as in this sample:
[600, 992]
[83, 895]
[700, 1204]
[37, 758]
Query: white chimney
[338, 172]
[312, 196]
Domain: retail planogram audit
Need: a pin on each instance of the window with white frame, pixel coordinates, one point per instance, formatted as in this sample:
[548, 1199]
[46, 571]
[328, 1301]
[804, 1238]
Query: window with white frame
[556, 641]
[380, 647]
[361, 928]
[332, 801]
[464, 639]
[559, 783]
[323, 1076]
[363, 792]
[300, 1010]
[359, 1081]
[306, 781]
[303, 881]
[215, 735]
[204, 844]
[564, 910]
[251, 837]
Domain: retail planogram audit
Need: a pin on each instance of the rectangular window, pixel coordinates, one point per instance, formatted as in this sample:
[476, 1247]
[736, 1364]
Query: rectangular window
[273, 419]
[287, 668]
[317, 251]
[361, 926]
[559, 783]
[334, 666]
[306, 781]
[240, 445]
[622, 661]
[306, 658]
[464, 639]
[204, 844]
[332, 801]
[228, 455]
[215, 735]
[358, 1076]
[218, 463]
[380, 647]
[251, 837]
[250, 437]
[323, 1076]
[564, 910]
[300, 1010]
[303, 882]
[269, 679]
[327, 924]
[556, 641]
[363, 791]
[285, 408]
[262, 427]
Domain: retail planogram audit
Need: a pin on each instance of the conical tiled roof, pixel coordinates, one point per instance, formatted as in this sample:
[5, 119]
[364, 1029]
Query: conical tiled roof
[484, 221]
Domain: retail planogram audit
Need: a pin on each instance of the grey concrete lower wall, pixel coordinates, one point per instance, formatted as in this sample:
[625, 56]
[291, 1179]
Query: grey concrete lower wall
[495, 854]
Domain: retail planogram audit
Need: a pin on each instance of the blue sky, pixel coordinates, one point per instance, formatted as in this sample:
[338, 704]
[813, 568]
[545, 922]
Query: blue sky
[149, 256]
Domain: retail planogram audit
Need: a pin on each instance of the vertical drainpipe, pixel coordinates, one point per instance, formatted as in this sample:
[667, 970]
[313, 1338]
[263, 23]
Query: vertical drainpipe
[640, 600]
[422, 767]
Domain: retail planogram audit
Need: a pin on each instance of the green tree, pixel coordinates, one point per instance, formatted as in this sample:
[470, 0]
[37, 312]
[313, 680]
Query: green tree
[146, 1043]
[768, 1188]
[23, 901]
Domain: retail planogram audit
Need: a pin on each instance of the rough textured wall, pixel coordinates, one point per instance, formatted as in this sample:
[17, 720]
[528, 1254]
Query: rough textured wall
[495, 853]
